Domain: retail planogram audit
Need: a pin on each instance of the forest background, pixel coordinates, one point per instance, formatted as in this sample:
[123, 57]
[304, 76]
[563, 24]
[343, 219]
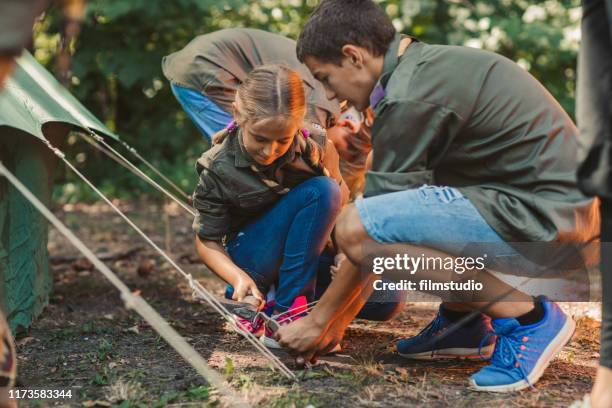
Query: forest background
[116, 65]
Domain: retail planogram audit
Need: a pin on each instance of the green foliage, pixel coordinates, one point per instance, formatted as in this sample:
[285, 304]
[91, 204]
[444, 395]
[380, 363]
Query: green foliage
[117, 64]
[199, 393]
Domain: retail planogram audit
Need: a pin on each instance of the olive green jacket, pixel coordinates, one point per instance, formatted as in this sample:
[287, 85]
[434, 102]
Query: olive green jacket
[475, 120]
[216, 63]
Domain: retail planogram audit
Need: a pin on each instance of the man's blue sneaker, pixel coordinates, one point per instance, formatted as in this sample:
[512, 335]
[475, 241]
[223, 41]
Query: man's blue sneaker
[463, 342]
[522, 353]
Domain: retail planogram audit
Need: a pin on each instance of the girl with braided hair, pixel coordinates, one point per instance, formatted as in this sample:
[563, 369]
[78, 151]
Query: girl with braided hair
[267, 199]
[268, 195]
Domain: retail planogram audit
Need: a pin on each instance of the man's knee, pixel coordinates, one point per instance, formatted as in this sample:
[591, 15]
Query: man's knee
[350, 233]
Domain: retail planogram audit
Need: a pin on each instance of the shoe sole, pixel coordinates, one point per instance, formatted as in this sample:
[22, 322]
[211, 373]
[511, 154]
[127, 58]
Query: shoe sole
[451, 354]
[270, 343]
[555, 346]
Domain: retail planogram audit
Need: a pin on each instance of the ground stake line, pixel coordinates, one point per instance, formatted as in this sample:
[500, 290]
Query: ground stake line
[155, 170]
[132, 301]
[196, 286]
[143, 175]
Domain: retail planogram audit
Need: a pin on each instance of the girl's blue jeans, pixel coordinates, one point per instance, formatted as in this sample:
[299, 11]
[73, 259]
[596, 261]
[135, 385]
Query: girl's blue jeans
[284, 247]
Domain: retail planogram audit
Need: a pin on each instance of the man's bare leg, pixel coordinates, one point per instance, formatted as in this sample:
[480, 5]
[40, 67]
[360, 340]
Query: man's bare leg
[352, 238]
[324, 327]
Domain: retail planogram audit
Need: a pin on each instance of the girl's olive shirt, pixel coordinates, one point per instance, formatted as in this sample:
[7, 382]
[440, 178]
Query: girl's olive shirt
[230, 193]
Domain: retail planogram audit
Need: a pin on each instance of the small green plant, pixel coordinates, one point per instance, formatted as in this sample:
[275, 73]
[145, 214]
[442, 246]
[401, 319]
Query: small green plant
[62, 334]
[165, 400]
[229, 367]
[199, 393]
[104, 349]
[99, 379]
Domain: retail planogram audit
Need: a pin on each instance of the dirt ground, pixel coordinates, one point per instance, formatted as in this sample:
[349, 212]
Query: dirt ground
[86, 342]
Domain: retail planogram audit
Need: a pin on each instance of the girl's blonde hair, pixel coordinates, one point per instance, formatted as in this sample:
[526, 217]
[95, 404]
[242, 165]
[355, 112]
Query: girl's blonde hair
[268, 91]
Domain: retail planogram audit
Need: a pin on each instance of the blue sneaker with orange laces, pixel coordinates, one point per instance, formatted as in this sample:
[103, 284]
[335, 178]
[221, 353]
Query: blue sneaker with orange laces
[433, 342]
[522, 353]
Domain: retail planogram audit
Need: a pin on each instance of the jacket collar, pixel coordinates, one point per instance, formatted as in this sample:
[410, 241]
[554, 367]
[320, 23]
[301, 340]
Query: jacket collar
[390, 62]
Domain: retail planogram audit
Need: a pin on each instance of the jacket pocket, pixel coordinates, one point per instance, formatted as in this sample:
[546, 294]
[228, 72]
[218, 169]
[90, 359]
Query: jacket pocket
[378, 182]
[256, 198]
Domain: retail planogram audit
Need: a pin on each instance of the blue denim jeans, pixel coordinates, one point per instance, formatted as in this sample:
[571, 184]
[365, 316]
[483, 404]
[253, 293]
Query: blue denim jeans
[380, 306]
[284, 247]
[208, 117]
[441, 218]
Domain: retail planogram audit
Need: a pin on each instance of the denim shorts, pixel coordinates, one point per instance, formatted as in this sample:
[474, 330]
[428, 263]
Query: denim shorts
[441, 218]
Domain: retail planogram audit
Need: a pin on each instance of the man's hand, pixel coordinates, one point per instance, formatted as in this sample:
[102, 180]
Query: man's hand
[340, 136]
[307, 340]
[304, 338]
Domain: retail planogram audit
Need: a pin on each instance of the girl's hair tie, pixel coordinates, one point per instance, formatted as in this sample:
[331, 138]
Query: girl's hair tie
[305, 133]
[232, 126]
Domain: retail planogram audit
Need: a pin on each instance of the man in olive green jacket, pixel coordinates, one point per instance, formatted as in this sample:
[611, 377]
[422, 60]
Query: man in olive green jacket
[472, 157]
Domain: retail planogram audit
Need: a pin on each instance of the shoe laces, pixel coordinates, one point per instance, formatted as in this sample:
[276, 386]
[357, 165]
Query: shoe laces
[247, 325]
[434, 327]
[432, 331]
[508, 352]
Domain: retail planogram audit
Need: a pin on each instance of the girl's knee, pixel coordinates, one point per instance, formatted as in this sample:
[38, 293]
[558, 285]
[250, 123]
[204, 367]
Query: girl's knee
[326, 191]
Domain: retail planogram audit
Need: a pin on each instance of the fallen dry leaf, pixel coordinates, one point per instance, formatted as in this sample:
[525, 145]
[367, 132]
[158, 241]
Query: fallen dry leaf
[96, 403]
[145, 268]
[25, 340]
[82, 264]
[133, 329]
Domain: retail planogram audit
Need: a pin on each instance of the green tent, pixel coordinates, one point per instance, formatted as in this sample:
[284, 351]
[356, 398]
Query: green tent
[34, 108]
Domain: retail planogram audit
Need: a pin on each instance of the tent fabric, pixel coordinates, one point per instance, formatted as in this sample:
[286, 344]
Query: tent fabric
[32, 97]
[32, 103]
[25, 276]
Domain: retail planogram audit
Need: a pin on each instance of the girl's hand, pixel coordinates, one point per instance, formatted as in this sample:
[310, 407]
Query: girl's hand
[245, 287]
